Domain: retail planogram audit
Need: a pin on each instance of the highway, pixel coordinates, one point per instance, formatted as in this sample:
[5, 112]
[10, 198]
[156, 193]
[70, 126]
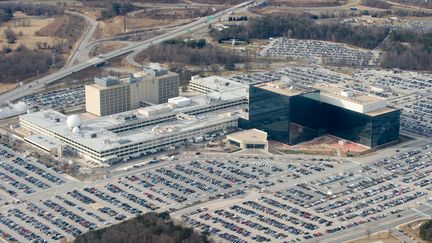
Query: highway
[38, 84]
[84, 40]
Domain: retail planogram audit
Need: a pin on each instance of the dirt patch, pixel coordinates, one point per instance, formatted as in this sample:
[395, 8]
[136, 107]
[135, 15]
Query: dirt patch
[325, 145]
[382, 237]
[309, 3]
[51, 28]
[413, 229]
[276, 11]
[176, 14]
[117, 25]
[6, 87]
[26, 27]
[105, 48]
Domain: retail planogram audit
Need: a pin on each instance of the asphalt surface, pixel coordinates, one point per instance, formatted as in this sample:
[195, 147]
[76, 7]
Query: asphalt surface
[40, 83]
[83, 42]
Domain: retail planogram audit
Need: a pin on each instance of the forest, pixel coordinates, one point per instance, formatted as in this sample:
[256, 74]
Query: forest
[147, 228]
[408, 49]
[404, 49]
[24, 63]
[29, 9]
[193, 53]
[304, 27]
[426, 231]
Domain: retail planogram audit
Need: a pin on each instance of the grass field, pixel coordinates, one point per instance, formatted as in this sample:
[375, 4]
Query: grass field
[28, 26]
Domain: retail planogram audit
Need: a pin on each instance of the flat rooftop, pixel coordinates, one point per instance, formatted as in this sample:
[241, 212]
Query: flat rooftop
[284, 88]
[381, 111]
[44, 141]
[251, 135]
[338, 92]
[218, 84]
[94, 133]
[101, 87]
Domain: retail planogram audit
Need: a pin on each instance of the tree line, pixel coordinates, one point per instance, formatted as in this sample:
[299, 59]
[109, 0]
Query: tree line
[176, 52]
[404, 49]
[304, 27]
[201, 43]
[117, 9]
[6, 14]
[147, 228]
[31, 9]
[426, 231]
[408, 49]
[24, 63]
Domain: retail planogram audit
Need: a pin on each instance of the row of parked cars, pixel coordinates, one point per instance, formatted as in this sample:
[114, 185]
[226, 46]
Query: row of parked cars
[11, 169]
[69, 214]
[179, 177]
[113, 200]
[57, 221]
[337, 53]
[61, 98]
[35, 169]
[46, 230]
[24, 232]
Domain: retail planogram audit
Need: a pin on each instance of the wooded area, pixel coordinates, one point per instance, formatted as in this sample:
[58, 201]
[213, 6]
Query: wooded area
[116, 9]
[407, 49]
[304, 27]
[404, 49]
[24, 63]
[148, 228]
[30, 9]
[426, 231]
[193, 53]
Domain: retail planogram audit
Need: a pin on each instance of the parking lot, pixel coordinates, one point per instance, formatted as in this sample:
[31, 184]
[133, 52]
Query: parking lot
[417, 116]
[22, 176]
[235, 198]
[68, 212]
[321, 51]
[314, 208]
[409, 91]
[62, 98]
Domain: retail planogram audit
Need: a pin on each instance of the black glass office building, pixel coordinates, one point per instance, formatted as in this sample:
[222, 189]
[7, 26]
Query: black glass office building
[291, 118]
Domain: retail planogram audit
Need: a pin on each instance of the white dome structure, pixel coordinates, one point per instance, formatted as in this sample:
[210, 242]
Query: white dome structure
[73, 121]
[75, 130]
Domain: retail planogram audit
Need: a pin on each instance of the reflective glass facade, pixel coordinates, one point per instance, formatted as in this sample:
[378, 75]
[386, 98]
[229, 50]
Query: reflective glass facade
[298, 118]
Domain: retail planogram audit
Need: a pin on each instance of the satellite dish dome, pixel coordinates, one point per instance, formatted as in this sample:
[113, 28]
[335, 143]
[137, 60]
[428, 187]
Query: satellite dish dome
[73, 121]
[75, 130]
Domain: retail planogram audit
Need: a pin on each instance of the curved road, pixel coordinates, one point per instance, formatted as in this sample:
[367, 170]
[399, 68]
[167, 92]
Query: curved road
[38, 84]
[84, 40]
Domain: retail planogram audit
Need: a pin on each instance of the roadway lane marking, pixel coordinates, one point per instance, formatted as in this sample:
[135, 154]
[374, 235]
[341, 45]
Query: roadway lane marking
[420, 212]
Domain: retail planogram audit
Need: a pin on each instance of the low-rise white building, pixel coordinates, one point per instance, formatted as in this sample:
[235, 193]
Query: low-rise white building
[146, 130]
[249, 139]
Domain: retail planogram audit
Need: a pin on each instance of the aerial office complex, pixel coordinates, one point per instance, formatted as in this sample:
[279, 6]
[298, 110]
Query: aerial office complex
[146, 130]
[285, 113]
[214, 84]
[294, 114]
[109, 95]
